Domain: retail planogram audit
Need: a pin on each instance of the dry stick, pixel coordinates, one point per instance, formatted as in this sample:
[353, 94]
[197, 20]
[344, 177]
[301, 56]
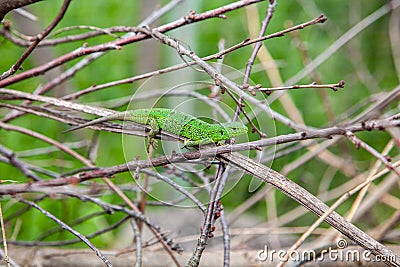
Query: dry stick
[323, 218]
[138, 241]
[358, 143]
[370, 113]
[355, 205]
[54, 101]
[380, 193]
[3, 232]
[50, 149]
[49, 232]
[224, 176]
[221, 177]
[93, 28]
[209, 219]
[334, 87]
[67, 227]
[105, 206]
[134, 208]
[226, 238]
[8, 5]
[320, 19]
[177, 187]
[13, 160]
[47, 140]
[5, 31]
[369, 201]
[360, 197]
[224, 224]
[142, 203]
[346, 196]
[250, 62]
[306, 59]
[38, 38]
[66, 118]
[333, 194]
[30, 167]
[70, 241]
[239, 104]
[312, 203]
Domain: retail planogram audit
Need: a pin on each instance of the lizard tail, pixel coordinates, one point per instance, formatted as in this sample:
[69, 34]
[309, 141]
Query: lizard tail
[116, 116]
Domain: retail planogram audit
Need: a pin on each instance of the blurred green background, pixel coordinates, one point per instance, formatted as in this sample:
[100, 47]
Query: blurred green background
[365, 63]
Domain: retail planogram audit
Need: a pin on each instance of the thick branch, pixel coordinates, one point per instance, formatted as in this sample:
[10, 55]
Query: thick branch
[8, 5]
[312, 203]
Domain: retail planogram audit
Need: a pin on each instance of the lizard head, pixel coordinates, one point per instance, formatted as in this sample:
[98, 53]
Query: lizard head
[224, 131]
[234, 128]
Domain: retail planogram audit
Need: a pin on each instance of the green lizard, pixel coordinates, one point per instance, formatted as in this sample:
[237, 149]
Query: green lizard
[197, 132]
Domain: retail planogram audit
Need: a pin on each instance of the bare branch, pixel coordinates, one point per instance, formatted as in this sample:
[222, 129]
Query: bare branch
[36, 41]
[8, 5]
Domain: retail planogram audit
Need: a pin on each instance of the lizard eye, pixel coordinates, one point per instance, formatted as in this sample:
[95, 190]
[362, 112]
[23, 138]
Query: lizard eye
[234, 128]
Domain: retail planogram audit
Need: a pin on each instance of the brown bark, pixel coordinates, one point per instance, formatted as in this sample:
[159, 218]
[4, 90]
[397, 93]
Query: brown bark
[8, 5]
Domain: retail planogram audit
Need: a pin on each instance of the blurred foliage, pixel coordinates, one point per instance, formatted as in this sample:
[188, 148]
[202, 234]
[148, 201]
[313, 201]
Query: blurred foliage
[370, 50]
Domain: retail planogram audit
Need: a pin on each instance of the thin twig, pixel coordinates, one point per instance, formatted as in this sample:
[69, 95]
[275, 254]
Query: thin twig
[117, 44]
[334, 87]
[207, 229]
[257, 46]
[45, 139]
[67, 227]
[359, 143]
[13, 160]
[138, 242]
[37, 40]
[223, 222]
[3, 232]
[342, 40]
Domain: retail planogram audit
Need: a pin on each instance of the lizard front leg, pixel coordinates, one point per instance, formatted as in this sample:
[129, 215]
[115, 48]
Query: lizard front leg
[154, 130]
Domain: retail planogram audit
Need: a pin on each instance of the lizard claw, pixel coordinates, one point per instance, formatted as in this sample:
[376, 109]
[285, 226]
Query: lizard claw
[152, 143]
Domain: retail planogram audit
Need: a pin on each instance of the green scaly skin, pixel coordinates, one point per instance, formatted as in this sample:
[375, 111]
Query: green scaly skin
[197, 132]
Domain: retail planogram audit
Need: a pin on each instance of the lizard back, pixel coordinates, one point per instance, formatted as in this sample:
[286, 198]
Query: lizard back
[173, 121]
